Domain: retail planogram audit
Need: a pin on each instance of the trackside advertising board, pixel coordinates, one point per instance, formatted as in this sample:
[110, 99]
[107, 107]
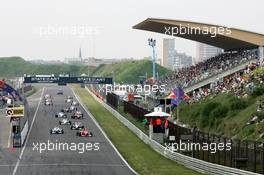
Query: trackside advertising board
[87, 80]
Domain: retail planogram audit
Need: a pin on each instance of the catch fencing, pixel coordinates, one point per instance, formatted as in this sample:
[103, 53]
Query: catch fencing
[245, 155]
[190, 161]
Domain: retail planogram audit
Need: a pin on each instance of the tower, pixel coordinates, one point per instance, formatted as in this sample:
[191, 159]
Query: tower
[80, 54]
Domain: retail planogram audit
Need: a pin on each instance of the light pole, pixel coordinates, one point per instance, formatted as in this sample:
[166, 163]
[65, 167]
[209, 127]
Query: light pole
[152, 43]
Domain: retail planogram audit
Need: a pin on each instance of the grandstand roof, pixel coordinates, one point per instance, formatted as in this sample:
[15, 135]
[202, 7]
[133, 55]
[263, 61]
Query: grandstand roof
[219, 36]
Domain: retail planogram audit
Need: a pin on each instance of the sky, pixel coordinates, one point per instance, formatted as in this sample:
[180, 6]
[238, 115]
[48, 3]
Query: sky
[55, 29]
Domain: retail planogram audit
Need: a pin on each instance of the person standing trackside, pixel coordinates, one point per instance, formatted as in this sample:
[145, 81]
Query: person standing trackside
[159, 125]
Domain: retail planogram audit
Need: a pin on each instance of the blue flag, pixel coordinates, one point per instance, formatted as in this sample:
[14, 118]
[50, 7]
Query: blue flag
[179, 96]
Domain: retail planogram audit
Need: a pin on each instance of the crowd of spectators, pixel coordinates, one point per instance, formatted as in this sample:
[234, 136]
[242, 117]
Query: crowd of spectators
[5, 100]
[188, 76]
[241, 84]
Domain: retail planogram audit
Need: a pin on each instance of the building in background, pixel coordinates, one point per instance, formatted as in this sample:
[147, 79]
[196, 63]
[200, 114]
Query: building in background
[168, 53]
[80, 54]
[181, 60]
[45, 61]
[172, 59]
[204, 51]
[91, 61]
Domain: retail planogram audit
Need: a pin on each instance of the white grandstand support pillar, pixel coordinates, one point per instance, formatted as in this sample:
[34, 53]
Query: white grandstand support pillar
[261, 54]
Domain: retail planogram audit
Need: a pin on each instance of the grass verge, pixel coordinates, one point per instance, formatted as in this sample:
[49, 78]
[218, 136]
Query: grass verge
[140, 156]
[133, 120]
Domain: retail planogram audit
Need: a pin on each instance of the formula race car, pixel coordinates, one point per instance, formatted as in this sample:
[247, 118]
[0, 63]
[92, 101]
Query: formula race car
[73, 108]
[47, 96]
[74, 103]
[77, 126]
[69, 99]
[56, 130]
[65, 122]
[61, 115]
[65, 109]
[60, 92]
[84, 133]
[48, 102]
[77, 115]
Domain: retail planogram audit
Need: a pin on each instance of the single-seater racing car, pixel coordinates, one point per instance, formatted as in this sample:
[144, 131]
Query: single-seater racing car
[48, 102]
[65, 109]
[65, 122]
[69, 99]
[75, 103]
[77, 115]
[56, 130]
[84, 133]
[77, 126]
[61, 115]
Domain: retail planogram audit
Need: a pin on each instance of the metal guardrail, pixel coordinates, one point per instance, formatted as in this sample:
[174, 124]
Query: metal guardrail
[192, 163]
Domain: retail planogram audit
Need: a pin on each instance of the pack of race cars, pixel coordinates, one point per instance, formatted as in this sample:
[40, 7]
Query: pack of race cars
[70, 109]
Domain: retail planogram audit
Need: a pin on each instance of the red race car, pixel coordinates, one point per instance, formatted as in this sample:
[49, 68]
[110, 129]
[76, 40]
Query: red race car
[84, 133]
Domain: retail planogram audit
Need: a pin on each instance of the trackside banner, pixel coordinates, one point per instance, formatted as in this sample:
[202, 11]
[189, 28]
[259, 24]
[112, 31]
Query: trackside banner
[87, 80]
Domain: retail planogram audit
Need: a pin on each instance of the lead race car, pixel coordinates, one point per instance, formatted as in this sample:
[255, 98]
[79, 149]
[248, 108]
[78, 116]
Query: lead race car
[84, 133]
[48, 102]
[47, 96]
[56, 130]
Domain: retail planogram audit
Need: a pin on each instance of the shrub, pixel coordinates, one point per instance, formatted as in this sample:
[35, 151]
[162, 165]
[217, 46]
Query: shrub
[258, 91]
[219, 112]
[206, 112]
[237, 104]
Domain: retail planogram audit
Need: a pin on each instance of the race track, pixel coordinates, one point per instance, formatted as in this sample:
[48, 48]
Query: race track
[29, 160]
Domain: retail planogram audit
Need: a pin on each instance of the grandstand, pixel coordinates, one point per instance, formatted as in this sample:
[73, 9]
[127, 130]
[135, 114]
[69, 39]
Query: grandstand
[241, 48]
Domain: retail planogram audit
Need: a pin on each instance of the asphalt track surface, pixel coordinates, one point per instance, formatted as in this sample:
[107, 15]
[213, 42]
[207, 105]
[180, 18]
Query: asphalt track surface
[29, 160]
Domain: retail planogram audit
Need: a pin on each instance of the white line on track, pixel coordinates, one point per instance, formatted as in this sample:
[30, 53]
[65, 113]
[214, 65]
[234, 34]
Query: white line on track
[23, 149]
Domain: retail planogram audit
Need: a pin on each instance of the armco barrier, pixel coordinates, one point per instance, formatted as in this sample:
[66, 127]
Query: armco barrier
[192, 163]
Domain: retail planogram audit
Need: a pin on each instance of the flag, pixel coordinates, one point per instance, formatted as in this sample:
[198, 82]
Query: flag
[171, 96]
[179, 96]
[7, 88]
[186, 97]
[2, 84]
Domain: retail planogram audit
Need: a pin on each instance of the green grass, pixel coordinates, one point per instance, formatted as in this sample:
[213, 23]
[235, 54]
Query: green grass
[133, 120]
[140, 156]
[17, 66]
[230, 123]
[129, 71]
